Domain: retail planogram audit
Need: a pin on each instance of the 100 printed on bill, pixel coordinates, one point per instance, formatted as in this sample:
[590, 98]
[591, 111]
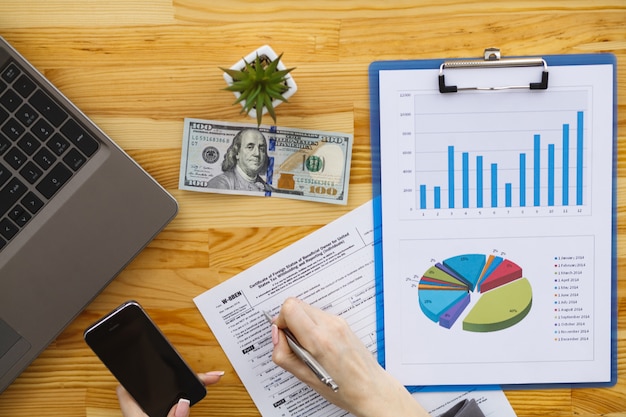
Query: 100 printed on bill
[240, 158]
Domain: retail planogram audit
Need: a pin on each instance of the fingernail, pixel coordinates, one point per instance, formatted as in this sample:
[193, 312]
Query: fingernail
[182, 409]
[215, 373]
[274, 334]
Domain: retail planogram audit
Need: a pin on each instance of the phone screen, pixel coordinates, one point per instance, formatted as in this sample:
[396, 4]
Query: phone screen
[143, 361]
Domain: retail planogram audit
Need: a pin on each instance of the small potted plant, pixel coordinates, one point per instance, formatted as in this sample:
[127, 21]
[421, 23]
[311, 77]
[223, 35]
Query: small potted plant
[260, 82]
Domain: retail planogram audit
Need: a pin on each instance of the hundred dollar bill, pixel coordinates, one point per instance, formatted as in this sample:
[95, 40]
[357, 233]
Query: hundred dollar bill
[240, 158]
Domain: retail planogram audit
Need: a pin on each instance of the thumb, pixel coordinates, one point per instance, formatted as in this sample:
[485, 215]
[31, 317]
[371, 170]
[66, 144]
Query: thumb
[182, 408]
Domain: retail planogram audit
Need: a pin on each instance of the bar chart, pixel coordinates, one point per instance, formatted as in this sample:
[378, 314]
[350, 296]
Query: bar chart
[529, 194]
[494, 162]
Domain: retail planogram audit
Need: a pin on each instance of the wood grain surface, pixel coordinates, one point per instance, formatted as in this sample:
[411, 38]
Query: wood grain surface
[138, 67]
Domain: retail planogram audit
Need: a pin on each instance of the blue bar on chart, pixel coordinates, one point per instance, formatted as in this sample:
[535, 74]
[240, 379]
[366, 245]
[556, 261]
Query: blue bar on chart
[579, 158]
[479, 181]
[555, 173]
[522, 180]
[508, 194]
[494, 185]
[565, 164]
[537, 171]
[450, 176]
[551, 175]
[465, 180]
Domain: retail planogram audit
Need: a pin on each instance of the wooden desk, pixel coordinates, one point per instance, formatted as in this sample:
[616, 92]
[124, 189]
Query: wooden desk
[138, 67]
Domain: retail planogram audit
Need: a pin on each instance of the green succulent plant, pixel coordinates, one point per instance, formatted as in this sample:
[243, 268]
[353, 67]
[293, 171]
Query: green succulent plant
[259, 84]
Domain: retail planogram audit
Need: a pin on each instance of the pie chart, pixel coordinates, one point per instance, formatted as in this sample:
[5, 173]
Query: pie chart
[446, 289]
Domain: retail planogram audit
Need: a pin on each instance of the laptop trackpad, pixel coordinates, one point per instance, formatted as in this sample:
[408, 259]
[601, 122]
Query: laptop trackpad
[12, 347]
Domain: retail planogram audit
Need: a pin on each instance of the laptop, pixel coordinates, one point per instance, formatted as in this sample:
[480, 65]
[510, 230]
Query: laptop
[74, 211]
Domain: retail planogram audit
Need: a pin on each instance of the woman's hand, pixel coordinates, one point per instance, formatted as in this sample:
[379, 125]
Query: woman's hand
[131, 409]
[365, 388]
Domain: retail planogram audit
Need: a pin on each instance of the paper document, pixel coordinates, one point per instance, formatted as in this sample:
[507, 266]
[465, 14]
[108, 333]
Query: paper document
[497, 227]
[333, 269]
[493, 403]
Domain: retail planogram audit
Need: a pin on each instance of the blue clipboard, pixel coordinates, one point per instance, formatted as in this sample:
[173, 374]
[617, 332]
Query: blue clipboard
[447, 86]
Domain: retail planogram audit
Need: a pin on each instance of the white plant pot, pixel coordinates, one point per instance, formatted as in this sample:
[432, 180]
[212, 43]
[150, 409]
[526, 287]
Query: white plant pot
[268, 52]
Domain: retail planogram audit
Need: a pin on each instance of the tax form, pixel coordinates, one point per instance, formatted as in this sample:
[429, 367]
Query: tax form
[333, 269]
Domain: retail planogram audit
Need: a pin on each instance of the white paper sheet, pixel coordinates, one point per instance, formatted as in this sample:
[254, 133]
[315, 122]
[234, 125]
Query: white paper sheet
[333, 269]
[525, 176]
[493, 403]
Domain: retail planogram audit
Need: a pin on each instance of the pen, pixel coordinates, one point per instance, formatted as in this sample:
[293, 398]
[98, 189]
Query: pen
[306, 357]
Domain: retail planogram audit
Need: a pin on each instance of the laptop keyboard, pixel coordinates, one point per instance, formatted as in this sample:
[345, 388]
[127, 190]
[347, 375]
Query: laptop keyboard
[41, 148]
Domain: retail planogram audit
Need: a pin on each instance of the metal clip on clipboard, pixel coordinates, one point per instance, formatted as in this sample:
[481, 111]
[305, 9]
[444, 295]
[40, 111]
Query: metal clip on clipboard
[492, 59]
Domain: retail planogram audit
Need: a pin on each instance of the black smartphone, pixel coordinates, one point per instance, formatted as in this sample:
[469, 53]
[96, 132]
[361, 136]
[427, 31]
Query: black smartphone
[137, 353]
